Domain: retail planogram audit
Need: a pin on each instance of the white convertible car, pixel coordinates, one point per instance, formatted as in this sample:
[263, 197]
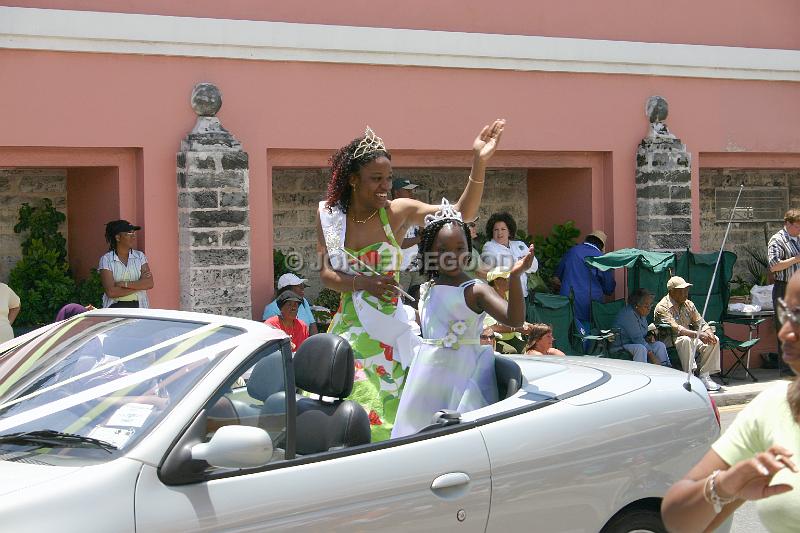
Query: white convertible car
[152, 420]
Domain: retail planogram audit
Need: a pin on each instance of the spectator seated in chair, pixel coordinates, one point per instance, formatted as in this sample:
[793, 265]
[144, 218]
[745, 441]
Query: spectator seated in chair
[692, 333]
[635, 336]
[540, 341]
[287, 321]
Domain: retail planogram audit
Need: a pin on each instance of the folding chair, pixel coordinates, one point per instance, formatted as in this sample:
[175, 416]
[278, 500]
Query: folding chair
[698, 269]
[739, 349]
[557, 311]
[604, 336]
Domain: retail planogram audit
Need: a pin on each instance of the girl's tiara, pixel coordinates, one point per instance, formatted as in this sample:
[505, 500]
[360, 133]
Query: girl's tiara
[446, 211]
[370, 143]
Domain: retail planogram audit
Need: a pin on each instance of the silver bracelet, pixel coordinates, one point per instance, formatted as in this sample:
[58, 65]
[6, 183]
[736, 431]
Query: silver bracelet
[710, 493]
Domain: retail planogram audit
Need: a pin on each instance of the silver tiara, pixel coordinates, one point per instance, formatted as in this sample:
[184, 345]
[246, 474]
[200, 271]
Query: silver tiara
[370, 143]
[446, 211]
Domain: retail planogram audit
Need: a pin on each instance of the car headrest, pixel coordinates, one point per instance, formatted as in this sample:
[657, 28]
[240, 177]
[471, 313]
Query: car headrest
[324, 365]
[267, 377]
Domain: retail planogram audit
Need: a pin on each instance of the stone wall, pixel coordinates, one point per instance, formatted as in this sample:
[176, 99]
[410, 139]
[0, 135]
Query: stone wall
[18, 186]
[663, 195]
[742, 234]
[297, 192]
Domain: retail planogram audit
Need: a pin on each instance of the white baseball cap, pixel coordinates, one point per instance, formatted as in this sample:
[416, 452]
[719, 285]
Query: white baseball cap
[288, 279]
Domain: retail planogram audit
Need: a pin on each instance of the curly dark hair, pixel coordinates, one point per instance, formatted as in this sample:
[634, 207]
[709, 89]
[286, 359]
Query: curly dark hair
[344, 165]
[506, 217]
[428, 235]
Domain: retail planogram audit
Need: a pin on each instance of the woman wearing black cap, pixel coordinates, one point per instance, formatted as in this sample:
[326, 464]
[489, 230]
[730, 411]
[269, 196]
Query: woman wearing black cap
[289, 302]
[123, 270]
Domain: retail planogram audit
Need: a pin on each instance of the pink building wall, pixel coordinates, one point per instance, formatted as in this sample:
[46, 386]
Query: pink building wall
[91, 105]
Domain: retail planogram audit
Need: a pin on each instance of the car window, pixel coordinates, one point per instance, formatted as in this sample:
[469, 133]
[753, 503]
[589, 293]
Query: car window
[100, 379]
[254, 396]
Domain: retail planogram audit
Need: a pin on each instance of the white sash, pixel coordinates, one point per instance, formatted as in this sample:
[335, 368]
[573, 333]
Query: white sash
[398, 330]
[334, 225]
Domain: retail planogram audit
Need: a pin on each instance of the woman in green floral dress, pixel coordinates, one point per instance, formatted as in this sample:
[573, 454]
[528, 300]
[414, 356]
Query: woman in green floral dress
[356, 229]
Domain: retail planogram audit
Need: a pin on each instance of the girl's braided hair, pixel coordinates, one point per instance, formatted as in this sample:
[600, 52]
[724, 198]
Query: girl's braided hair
[344, 165]
[428, 235]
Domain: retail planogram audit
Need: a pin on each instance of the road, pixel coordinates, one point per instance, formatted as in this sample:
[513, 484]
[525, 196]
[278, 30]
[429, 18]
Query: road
[745, 519]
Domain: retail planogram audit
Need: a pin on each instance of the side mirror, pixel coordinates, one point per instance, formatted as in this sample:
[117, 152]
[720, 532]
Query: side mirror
[235, 447]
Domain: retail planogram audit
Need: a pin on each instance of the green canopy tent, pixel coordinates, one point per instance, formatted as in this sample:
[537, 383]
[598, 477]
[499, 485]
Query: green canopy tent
[643, 269]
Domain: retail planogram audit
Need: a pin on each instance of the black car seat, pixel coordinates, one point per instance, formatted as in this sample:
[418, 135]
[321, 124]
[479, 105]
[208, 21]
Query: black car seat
[266, 383]
[323, 365]
[509, 376]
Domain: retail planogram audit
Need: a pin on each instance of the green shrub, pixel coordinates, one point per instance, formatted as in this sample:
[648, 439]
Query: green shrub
[550, 249]
[90, 290]
[280, 265]
[42, 278]
[327, 298]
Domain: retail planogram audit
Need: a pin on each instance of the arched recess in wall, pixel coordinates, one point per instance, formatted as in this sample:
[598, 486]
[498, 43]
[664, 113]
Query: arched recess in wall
[539, 188]
[101, 185]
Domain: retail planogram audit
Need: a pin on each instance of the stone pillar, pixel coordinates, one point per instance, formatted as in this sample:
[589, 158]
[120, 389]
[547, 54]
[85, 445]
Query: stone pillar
[213, 221]
[663, 186]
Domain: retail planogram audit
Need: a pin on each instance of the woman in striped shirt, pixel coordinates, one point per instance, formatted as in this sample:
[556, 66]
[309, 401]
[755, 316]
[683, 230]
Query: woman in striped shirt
[123, 270]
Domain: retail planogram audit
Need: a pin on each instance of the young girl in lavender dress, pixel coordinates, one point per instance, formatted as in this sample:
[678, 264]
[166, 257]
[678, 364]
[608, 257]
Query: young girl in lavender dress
[452, 370]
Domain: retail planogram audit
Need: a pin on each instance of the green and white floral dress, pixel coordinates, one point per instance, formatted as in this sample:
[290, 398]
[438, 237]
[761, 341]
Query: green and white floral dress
[378, 377]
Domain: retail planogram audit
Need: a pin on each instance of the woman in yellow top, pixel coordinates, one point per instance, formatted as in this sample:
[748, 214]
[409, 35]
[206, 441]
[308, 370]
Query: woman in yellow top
[752, 460]
[510, 340]
[9, 309]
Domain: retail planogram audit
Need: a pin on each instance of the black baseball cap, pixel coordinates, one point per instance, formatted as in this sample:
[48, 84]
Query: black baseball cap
[288, 296]
[120, 226]
[403, 183]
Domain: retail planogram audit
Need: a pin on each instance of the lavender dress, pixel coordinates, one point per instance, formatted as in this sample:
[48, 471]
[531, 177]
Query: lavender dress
[452, 370]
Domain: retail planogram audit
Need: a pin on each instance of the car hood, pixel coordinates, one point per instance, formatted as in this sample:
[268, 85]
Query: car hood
[16, 476]
[584, 380]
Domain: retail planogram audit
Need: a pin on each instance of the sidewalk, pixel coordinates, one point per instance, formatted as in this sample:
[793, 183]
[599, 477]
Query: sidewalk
[741, 389]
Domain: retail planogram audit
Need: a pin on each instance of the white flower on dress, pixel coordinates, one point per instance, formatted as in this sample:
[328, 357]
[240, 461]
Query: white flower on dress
[459, 327]
[450, 340]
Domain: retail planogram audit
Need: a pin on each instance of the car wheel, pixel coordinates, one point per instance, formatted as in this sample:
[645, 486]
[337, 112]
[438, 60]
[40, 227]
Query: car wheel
[636, 521]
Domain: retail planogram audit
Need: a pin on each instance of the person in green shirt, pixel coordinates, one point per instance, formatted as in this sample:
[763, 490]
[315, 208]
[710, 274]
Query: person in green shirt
[754, 458]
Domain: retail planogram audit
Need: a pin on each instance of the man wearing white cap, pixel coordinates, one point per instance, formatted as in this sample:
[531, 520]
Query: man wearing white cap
[292, 282]
[692, 333]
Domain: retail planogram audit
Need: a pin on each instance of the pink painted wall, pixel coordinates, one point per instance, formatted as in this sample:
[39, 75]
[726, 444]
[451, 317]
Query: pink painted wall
[551, 190]
[141, 104]
[92, 199]
[764, 24]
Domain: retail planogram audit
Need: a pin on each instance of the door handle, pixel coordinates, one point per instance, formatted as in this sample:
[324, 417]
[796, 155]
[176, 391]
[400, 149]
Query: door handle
[449, 481]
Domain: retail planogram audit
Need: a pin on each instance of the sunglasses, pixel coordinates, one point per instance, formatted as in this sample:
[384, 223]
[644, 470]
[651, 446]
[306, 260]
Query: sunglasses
[487, 337]
[785, 314]
[471, 225]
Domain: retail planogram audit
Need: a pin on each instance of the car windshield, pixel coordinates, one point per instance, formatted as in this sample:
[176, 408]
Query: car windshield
[89, 389]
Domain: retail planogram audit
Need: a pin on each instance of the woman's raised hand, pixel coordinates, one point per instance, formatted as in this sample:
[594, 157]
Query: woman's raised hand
[383, 287]
[486, 143]
[750, 479]
[523, 264]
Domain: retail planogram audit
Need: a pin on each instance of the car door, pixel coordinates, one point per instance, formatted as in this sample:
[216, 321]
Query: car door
[388, 489]
[437, 480]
